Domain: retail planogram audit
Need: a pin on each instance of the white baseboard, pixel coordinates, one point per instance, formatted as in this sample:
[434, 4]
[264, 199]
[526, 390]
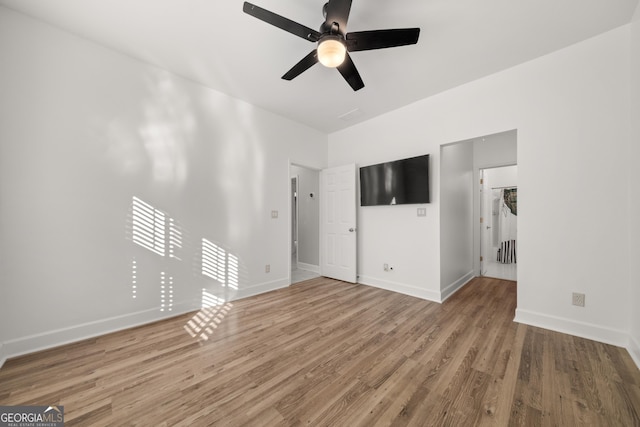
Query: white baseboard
[261, 288]
[572, 327]
[400, 288]
[3, 358]
[50, 339]
[634, 350]
[309, 267]
[55, 338]
[455, 286]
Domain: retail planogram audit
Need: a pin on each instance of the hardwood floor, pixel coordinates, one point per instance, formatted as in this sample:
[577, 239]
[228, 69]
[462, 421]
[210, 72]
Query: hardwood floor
[324, 352]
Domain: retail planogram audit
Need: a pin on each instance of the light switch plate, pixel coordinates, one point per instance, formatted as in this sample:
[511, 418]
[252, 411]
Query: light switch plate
[422, 211]
[274, 214]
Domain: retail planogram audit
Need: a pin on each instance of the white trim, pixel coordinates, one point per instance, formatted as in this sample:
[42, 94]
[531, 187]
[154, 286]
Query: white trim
[573, 327]
[401, 288]
[260, 288]
[456, 286]
[55, 338]
[296, 218]
[3, 358]
[58, 337]
[634, 346]
[308, 267]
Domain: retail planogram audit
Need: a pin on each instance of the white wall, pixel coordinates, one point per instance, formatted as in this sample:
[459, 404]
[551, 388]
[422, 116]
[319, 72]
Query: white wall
[308, 216]
[84, 130]
[506, 176]
[571, 112]
[500, 149]
[460, 203]
[456, 216]
[634, 189]
[383, 230]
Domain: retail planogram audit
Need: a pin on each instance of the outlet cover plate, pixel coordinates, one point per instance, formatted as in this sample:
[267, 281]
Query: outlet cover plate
[578, 299]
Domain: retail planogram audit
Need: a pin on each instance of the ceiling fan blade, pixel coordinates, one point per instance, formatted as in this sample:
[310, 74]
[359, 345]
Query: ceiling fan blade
[338, 12]
[281, 22]
[380, 39]
[350, 73]
[302, 66]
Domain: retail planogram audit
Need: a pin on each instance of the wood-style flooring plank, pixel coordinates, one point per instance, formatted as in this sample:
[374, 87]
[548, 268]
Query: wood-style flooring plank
[329, 353]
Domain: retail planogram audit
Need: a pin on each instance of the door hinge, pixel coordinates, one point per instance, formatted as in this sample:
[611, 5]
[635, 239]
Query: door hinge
[481, 181]
[481, 259]
[481, 220]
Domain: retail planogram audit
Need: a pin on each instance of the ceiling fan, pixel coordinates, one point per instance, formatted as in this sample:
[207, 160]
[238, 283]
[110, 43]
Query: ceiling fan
[334, 42]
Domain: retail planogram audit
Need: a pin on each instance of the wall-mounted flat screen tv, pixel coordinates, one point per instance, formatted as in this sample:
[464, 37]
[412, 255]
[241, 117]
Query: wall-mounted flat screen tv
[400, 182]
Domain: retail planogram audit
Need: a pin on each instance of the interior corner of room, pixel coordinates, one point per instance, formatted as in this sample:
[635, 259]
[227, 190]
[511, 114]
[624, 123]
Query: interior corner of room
[131, 194]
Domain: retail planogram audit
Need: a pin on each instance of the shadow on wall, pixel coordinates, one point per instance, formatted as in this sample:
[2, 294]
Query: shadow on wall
[195, 150]
[189, 145]
[154, 137]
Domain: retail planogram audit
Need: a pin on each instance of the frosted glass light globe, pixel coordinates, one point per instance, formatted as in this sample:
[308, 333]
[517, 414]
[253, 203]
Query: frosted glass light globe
[331, 52]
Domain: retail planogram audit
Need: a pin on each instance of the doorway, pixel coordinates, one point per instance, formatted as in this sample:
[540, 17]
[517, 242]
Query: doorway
[294, 223]
[305, 223]
[499, 222]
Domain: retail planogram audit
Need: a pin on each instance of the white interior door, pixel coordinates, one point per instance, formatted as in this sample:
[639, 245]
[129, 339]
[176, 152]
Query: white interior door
[338, 223]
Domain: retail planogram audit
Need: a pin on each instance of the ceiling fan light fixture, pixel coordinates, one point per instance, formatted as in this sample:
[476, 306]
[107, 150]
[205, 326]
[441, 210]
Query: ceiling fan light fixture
[331, 51]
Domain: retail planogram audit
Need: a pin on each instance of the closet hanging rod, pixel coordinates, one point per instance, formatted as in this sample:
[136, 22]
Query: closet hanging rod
[505, 188]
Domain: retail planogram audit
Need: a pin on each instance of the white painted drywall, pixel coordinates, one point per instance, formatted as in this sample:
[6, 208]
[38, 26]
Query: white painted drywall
[308, 215]
[634, 189]
[456, 215]
[481, 152]
[506, 176]
[395, 235]
[571, 112]
[84, 130]
[499, 149]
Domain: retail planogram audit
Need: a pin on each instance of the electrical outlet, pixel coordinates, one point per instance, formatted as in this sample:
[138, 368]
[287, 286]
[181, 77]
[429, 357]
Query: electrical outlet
[267, 268]
[386, 267]
[274, 214]
[422, 211]
[578, 299]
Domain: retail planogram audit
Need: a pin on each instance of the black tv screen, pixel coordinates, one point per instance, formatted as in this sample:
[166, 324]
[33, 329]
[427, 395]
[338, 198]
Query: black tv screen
[400, 182]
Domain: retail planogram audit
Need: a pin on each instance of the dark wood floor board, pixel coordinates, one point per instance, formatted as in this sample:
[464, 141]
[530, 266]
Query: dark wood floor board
[498, 409]
[329, 353]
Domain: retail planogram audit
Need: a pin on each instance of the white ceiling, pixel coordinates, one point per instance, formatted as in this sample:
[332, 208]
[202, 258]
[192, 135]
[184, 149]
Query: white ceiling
[216, 44]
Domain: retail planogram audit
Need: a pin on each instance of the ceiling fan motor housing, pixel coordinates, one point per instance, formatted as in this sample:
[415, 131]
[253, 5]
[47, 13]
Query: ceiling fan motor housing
[334, 43]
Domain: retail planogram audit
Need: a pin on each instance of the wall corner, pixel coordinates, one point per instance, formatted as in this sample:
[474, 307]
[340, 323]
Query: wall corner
[634, 350]
[3, 357]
